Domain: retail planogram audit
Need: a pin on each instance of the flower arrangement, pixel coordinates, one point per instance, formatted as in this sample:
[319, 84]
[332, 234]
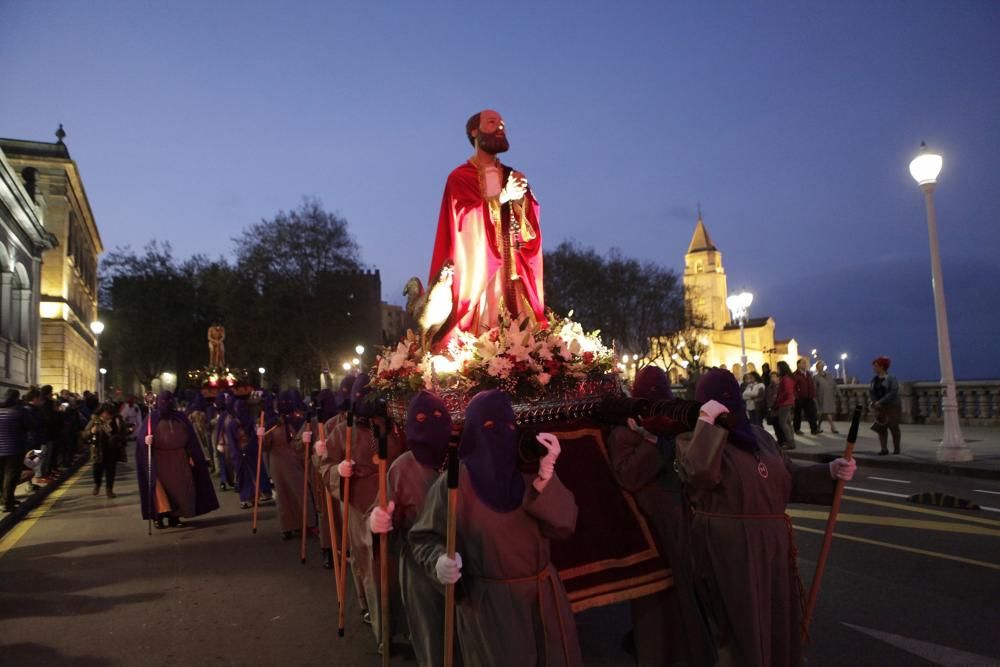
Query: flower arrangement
[528, 360]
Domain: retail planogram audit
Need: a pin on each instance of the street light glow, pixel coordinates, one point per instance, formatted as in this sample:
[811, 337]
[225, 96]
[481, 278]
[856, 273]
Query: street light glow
[97, 327]
[926, 166]
[355, 361]
[347, 366]
[103, 371]
[261, 370]
[360, 349]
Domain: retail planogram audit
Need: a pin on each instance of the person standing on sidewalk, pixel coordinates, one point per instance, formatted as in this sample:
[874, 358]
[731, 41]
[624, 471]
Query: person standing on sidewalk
[107, 435]
[826, 395]
[884, 395]
[805, 398]
[13, 443]
[784, 402]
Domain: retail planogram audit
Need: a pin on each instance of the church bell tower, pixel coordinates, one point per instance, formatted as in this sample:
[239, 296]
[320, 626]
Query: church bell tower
[705, 280]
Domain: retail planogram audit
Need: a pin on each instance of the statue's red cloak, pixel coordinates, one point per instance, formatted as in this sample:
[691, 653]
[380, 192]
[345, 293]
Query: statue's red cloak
[467, 237]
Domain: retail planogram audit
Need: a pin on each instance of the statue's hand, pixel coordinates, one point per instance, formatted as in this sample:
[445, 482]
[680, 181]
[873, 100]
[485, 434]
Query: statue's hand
[516, 187]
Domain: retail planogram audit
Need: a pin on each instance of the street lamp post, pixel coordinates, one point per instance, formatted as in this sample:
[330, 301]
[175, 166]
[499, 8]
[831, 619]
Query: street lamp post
[843, 365]
[739, 306]
[261, 370]
[925, 169]
[97, 327]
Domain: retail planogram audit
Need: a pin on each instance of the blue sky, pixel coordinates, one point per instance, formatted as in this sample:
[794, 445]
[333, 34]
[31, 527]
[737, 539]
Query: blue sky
[792, 123]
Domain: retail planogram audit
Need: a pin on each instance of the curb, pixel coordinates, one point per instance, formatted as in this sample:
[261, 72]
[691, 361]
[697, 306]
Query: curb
[903, 464]
[35, 499]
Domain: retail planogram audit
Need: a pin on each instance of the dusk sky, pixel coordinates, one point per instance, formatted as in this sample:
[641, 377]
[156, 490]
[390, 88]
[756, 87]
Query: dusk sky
[791, 122]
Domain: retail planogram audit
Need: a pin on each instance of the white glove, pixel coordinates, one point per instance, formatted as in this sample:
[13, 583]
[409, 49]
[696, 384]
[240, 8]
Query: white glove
[380, 520]
[149, 441]
[548, 463]
[321, 448]
[260, 433]
[710, 411]
[448, 570]
[307, 436]
[220, 448]
[345, 468]
[843, 469]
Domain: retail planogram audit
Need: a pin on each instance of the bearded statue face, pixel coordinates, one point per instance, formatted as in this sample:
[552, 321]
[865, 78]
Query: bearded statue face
[491, 136]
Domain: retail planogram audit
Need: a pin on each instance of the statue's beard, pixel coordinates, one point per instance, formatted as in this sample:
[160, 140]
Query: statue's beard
[493, 143]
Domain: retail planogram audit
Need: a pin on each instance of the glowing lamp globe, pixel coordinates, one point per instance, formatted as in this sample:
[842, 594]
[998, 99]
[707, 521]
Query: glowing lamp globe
[925, 167]
[97, 327]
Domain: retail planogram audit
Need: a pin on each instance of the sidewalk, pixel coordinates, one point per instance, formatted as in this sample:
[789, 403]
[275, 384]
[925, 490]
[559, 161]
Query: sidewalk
[32, 499]
[918, 444]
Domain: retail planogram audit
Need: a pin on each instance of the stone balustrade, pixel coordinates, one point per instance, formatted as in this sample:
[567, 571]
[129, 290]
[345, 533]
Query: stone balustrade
[978, 401]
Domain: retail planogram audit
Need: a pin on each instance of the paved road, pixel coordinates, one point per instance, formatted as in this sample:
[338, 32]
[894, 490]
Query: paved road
[84, 585]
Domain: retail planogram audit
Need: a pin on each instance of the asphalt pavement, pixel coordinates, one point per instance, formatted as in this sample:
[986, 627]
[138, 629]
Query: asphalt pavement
[83, 584]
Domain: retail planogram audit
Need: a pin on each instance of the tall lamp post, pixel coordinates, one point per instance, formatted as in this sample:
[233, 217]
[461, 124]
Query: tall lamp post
[97, 328]
[843, 365]
[261, 370]
[925, 169]
[739, 306]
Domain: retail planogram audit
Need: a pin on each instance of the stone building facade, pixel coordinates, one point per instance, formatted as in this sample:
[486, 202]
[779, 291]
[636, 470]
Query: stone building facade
[68, 350]
[23, 239]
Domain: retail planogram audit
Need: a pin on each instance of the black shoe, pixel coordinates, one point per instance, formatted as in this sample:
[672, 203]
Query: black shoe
[222, 486]
[327, 559]
[244, 506]
[175, 522]
[817, 431]
[884, 452]
[799, 433]
[895, 450]
[159, 524]
[10, 508]
[286, 535]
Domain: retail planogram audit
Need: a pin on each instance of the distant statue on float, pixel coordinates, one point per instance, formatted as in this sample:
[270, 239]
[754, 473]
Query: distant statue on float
[489, 242]
[216, 346]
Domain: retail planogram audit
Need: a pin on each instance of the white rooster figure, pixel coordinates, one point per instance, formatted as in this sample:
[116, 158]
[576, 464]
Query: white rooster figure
[430, 310]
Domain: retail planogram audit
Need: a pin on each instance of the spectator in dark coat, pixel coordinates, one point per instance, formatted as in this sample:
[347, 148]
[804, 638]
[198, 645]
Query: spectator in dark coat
[13, 444]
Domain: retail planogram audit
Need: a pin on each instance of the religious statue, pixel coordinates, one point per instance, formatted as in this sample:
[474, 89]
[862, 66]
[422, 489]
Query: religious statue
[216, 346]
[488, 239]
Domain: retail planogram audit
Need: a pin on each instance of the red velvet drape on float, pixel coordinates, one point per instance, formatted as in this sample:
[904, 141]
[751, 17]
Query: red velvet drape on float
[612, 555]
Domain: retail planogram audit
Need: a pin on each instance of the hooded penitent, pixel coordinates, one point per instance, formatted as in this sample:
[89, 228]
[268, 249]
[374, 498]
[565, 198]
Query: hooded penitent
[719, 385]
[166, 406]
[653, 384]
[344, 394]
[290, 408]
[428, 427]
[361, 403]
[489, 450]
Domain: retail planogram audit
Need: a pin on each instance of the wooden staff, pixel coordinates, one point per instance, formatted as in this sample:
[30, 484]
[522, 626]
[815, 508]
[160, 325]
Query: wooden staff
[256, 486]
[346, 482]
[332, 526]
[150, 403]
[306, 451]
[383, 545]
[450, 538]
[831, 522]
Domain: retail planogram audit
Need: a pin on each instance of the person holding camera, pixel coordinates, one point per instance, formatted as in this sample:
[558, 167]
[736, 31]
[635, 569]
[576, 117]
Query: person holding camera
[107, 433]
[884, 396]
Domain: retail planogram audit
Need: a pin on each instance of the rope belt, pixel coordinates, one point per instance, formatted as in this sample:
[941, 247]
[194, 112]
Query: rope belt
[544, 575]
[793, 552]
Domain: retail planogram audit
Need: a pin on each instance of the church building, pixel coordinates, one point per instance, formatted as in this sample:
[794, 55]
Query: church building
[714, 338]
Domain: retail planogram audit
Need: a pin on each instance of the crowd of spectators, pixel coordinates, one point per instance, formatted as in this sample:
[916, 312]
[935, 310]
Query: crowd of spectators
[44, 434]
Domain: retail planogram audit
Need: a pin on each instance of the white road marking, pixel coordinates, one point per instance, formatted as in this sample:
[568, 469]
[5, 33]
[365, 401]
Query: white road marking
[995, 493]
[940, 655]
[989, 509]
[889, 479]
[881, 493]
